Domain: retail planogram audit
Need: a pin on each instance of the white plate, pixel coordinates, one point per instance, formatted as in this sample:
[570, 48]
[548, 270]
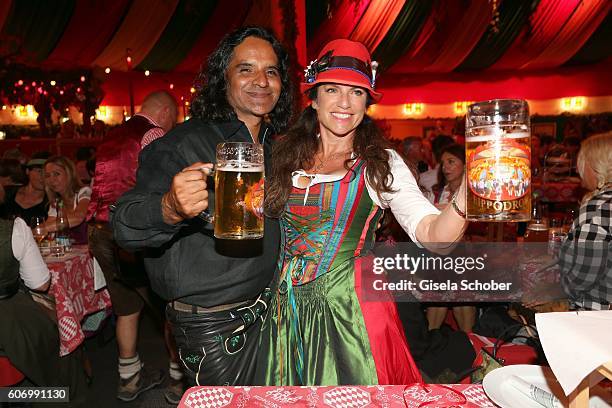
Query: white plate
[498, 389]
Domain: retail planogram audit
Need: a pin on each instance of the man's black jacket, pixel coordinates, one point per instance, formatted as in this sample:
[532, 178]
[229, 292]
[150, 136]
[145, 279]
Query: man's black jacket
[184, 261]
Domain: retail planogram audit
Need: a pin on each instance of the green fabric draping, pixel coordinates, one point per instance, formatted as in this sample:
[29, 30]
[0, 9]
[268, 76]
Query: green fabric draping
[376, 21]
[585, 20]
[433, 38]
[5, 9]
[179, 36]
[462, 38]
[403, 32]
[38, 24]
[544, 24]
[140, 30]
[598, 47]
[316, 13]
[344, 18]
[512, 16]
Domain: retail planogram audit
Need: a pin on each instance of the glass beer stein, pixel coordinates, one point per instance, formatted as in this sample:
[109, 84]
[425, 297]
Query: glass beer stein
[498, 160]
[239, 191]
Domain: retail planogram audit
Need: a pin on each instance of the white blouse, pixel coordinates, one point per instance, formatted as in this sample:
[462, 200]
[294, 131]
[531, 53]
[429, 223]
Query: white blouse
[407, 202]
[84, 193]
[32, 268]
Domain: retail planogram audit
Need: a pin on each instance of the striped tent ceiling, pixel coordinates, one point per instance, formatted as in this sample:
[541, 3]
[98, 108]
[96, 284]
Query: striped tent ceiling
[431, 51]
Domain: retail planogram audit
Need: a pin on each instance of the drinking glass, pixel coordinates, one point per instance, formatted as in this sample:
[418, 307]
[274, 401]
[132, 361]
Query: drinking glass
[498, 159]
[239, 178]
[39, 231]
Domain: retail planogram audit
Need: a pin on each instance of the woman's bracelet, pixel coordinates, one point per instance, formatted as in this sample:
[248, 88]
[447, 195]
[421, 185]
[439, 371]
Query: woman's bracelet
[456, 207]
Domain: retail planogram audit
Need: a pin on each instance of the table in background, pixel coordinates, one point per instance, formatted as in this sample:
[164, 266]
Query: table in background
[72, 287]
[336, 396]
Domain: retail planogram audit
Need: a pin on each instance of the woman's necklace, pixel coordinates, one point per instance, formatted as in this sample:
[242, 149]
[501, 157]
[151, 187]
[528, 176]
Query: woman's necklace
[331, 157]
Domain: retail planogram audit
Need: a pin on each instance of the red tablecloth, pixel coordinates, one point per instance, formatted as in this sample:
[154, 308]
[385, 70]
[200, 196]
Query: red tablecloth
[72, 286]
[412, 396]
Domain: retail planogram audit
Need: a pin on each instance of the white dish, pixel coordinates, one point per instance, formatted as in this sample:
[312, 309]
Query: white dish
[499, 390]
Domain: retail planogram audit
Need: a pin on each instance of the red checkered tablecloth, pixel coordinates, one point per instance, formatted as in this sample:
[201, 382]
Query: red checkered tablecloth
[72, 287]
[412, 396]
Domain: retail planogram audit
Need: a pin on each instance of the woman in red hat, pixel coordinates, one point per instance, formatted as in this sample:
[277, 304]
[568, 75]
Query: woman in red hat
[332, 176]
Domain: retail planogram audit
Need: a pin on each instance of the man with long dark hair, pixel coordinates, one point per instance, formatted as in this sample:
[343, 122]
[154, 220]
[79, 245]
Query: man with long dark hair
[216, 294]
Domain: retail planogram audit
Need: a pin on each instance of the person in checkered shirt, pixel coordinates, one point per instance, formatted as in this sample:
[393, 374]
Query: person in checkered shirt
[585, 257]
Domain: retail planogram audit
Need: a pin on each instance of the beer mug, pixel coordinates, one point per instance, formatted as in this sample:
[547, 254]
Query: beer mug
[239, 178]
[498, 159]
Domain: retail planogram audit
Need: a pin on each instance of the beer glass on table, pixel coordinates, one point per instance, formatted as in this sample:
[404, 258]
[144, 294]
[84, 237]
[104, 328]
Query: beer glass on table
[39, 231]
[498, 159]
[239, 191]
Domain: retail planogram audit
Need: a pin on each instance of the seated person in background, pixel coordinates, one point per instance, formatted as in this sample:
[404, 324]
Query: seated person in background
[11, 177]
[585, 258]
[28, 201]
[29, 337]
[61, 183]
[450, 175]
[415, 153]
[429, 178]
[84, 154]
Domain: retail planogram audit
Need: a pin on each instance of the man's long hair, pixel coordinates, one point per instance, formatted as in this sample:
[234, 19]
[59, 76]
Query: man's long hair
[210, 100]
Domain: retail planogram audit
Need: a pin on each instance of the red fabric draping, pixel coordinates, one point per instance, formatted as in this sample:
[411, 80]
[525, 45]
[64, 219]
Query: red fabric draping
[545, 84]
[376, 21]
[5, 9]
[585, 20]
[117, 85]
[544, 24]
[463, 38]
[90, 29]
[140, 30]
[227, 16]
[344, 18]
[449, 35]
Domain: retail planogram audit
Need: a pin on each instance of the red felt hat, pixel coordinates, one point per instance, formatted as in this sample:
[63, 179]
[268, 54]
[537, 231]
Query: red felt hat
[343, 62]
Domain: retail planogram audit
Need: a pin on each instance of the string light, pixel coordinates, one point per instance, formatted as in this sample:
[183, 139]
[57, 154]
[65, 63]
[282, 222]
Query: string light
[413, 108]
[171, 86]
[52, 83]
[107, 70]
[573, 103]
[147, 72]
[82, 78]
[462, 106]
[192, 89]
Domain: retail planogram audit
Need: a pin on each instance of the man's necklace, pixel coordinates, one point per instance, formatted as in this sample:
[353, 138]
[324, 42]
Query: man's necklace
[331, 157]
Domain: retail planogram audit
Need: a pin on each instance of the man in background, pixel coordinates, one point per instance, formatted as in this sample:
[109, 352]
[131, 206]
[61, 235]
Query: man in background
[115, 173]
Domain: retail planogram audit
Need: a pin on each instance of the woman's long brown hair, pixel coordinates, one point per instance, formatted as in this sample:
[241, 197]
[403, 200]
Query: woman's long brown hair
[297, 149]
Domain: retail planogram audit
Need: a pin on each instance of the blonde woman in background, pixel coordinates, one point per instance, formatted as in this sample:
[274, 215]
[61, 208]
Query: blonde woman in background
[61, 182]
[585, 258]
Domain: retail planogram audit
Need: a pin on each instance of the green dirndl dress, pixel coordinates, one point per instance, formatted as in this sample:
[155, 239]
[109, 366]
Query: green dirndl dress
[318, 331]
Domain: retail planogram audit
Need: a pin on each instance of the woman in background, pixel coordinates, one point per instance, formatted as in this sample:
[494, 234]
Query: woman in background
[450, 176]
[585, 258]
[62, 184]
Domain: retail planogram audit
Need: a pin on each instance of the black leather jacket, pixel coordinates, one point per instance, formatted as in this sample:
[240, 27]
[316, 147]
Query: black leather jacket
[184, 261]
